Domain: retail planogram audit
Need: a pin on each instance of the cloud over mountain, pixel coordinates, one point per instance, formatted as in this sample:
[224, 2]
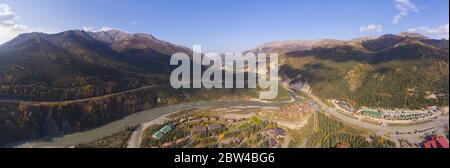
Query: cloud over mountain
[102, 29]
[8, 23]
[441, 31]
[8, 19]
[371, 28]
[403, 7]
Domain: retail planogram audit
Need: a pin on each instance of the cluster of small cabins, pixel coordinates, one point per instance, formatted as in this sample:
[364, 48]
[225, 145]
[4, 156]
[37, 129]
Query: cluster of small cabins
[298, 108]
[346, 107]
[386, 114]
[398, 114]
[213, 127]
[274, 136]
[197, 129]
[206, 129]
[290, 112]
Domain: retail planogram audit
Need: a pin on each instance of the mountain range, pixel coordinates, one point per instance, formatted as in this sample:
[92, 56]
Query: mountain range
[55, 84]
[407, 70]
[79, 64]
[369, 43]
[52, 84]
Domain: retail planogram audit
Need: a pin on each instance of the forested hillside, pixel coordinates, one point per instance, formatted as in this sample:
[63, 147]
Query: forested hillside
[390, 71]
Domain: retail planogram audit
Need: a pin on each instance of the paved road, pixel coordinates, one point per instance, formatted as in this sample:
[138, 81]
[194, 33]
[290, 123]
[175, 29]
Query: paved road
[136, 137]
[81, 100]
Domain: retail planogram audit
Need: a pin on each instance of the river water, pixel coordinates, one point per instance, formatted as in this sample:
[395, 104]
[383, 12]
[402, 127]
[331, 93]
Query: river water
[129, 121]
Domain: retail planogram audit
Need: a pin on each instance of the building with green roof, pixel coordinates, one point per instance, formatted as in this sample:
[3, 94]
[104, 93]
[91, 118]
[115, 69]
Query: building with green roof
[372, 113]
[166, 129]
[158, 135]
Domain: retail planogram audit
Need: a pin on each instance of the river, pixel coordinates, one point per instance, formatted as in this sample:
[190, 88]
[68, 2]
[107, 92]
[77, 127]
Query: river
[129, 121]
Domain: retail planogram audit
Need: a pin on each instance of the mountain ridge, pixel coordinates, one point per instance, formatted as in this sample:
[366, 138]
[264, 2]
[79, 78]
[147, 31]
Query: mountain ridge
[378, 72]
[364, 42]
[42, 73]
[80, 59]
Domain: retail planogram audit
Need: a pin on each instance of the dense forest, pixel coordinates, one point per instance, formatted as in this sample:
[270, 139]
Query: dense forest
[330, 132]
[407, 70]
[395, 84]
[75, 88]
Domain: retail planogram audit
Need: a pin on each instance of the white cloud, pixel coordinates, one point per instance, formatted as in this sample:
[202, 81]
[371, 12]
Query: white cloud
[105, 28]
[371, 28]
[10, 28]
[8, 24]
[87, 28]
[102, 29]
[8, 19]
[6, 13]
[403, 7]
[6, 34]
[441, 31]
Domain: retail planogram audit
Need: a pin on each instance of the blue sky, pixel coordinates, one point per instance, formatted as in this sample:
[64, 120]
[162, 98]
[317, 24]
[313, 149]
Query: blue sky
[229, 25]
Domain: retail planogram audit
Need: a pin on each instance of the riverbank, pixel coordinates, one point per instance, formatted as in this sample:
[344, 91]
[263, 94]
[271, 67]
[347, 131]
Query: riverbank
[129, 121]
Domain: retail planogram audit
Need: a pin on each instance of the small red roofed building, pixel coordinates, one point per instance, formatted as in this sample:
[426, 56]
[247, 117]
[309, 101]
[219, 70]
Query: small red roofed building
[442, 142]
[342, 145]
[436, 142]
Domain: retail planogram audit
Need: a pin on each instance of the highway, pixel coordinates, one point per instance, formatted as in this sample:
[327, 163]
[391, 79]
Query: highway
[80, 100]
[382, 129]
